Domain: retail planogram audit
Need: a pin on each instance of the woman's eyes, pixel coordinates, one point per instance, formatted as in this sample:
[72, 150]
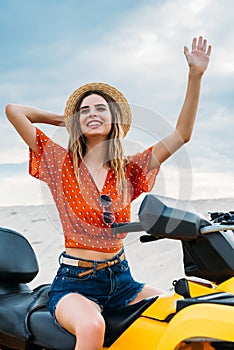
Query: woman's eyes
[84, 111]
[99, 109]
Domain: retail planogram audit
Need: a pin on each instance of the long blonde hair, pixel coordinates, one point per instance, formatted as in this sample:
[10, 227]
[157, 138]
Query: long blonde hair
[115, 154]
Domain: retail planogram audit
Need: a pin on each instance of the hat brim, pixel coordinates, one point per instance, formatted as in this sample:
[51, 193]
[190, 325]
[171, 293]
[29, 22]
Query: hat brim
[115, 94]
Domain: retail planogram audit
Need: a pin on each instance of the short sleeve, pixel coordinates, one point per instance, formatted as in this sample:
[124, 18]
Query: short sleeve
[142, 179]
[46, 164]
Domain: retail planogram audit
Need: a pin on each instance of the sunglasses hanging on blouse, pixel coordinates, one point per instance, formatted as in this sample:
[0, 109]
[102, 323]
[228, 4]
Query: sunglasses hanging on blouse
[107, 216]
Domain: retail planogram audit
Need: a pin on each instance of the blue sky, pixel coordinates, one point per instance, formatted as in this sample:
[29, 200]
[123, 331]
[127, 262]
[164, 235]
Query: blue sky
[49, 48]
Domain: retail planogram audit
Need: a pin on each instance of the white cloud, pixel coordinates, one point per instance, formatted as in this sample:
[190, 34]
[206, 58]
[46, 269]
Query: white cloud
[215, 184]
[143, 57]
[13, 149]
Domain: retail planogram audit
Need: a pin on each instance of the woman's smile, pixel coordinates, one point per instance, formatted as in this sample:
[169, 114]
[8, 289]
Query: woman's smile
[94, 123]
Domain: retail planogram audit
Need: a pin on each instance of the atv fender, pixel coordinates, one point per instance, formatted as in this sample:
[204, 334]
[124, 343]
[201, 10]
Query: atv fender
[206, 321]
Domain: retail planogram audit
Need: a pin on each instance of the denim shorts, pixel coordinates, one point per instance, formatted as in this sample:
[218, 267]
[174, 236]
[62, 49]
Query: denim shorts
[110, 287]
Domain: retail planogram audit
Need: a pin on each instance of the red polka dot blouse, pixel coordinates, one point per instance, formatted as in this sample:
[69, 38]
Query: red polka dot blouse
[78, 201]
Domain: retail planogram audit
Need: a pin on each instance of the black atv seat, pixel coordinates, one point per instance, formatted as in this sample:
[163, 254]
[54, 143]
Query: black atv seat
[23, 312]
[47, 333]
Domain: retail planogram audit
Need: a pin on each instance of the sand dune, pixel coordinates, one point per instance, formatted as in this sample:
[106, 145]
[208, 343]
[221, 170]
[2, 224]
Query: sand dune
[157, 263]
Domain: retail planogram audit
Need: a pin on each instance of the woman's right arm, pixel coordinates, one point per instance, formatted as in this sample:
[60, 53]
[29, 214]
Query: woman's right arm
[23, 117]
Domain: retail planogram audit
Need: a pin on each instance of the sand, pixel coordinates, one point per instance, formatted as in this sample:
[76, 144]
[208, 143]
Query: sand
[156, 263]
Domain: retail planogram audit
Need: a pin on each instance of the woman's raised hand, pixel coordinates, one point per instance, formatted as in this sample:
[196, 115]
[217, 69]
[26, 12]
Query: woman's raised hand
[198, 58]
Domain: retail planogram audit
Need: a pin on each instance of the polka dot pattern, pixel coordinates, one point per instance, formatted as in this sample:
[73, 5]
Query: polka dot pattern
[78, 200]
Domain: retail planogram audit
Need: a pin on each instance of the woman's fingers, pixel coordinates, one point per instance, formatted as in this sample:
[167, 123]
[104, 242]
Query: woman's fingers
[201, 44]
[209, 50]
[194, 44]
[204, 45]
[186, 50]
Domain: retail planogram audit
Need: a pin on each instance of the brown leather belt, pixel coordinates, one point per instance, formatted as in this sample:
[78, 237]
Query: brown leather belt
[89, 264]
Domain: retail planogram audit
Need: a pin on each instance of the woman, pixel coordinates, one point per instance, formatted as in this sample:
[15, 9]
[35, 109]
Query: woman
[93, 184]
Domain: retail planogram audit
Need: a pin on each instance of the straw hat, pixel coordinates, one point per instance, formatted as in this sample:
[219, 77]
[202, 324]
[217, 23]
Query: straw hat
[107, 89]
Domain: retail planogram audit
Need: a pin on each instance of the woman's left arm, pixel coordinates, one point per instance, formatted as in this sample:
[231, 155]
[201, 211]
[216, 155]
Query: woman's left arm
[198, 61]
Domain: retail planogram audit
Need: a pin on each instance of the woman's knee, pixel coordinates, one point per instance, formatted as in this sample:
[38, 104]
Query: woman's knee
[93, 328]
[90, 334]
[82, 317]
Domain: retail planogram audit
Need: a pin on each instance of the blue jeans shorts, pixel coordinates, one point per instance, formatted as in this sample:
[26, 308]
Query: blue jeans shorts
[110, 287]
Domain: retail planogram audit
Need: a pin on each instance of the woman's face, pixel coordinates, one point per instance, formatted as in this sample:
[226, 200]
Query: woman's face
[95, 116]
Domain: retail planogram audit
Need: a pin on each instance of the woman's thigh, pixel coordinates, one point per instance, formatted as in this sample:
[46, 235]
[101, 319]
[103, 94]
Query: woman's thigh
[76, 313]
[147, 292]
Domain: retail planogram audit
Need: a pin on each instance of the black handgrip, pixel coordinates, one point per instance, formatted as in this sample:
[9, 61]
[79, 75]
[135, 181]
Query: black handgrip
[148, 238]
[126, 227]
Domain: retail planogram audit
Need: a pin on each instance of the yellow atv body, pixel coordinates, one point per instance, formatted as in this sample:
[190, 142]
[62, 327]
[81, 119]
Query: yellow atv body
[197, 326]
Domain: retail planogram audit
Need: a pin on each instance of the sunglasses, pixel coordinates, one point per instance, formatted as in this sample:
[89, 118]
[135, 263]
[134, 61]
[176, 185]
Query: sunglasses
[107, 216]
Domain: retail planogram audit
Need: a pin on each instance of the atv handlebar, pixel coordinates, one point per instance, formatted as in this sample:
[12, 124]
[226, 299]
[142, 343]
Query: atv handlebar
[161, 221]
[215, 228]
[126, 227]
[137, 227]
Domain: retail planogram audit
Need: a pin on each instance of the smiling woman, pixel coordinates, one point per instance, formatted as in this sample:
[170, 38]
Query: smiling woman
[93, 183]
